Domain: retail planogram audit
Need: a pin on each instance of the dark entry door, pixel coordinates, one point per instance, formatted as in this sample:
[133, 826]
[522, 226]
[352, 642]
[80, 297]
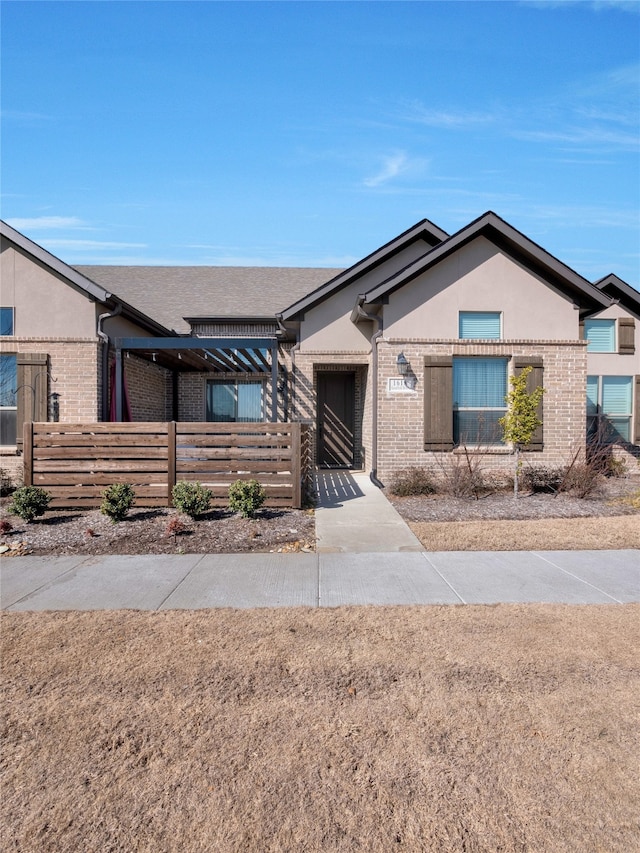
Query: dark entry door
[336, 418]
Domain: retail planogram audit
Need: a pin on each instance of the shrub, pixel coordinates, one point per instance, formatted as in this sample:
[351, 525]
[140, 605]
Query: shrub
[117, 500]
[175, 527]
[246, 497]
[542, 478]
[582, 479]
[412, 481]
[5, 527]
[29, 502]
[191, 498]
[463, 475]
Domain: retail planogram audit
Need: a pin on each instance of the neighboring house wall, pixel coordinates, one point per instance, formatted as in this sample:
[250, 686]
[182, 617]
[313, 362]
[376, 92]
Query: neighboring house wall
[45, 305]
[622, 362]
[71, 370]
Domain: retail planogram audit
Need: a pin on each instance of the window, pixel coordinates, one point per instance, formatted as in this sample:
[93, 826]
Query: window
[8, 404]
[234, 401]
[609, 408]
[601, 335]
[479, 391]
[6, 321]
[484, 325]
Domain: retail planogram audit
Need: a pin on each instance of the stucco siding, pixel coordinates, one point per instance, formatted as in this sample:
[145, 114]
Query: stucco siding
[480, 277]
[44, 304]
[328, 325]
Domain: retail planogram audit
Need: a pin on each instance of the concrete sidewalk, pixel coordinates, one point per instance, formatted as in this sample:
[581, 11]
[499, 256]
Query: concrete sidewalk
[366, 554]
[318, 580]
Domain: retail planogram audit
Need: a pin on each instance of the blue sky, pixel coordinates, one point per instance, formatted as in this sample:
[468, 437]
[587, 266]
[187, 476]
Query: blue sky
[310, 133]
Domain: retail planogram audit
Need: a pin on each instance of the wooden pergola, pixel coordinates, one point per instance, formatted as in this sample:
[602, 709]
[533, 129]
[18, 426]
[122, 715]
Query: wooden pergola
[253, 356]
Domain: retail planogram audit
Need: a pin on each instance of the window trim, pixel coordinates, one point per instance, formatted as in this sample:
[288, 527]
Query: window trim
[13, 321]
[611, 323]
[236, 381]
[601, 418]
[496, 314]
[492, 444]
[13, 408]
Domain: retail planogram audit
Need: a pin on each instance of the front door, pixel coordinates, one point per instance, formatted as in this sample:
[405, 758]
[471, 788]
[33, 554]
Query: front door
[336, 418]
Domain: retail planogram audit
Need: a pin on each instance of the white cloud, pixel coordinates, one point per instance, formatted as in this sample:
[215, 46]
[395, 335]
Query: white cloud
[48, 223]
[89, 245]
[419, 114]
[393, 166]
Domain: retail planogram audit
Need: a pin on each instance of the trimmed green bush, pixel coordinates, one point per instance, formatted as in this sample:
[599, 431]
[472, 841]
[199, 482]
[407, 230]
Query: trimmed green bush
[246, 497]
[29, 502]
[117, 500]
[192, 499]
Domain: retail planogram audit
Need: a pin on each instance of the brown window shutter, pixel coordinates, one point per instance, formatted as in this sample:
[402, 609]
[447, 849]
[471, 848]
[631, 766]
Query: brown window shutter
[32, 390]
[581, 330]
[626, 336]
[534, 380]
[438, 403]
[636, 413]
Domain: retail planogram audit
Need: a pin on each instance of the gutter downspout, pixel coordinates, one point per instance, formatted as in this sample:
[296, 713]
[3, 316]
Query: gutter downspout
[373, 475]
[104, 402]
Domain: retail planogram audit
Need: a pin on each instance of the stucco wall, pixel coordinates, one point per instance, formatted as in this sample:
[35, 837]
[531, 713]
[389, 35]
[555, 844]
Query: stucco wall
[614, 364]
[44, 304]
[328, 325]
[480, 277]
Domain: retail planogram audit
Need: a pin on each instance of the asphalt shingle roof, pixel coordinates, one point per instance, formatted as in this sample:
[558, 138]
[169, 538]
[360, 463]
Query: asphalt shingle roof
[168, 294]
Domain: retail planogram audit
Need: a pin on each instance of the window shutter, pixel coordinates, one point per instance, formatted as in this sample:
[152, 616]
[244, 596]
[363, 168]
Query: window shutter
[636, 413]
[534, 380]
[32, 390]
[626, 336]
[438, 403]
[581, 330]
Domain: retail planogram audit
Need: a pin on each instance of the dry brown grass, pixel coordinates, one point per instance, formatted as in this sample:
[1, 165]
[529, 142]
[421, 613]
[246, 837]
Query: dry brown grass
[510, 728]
[550, 534]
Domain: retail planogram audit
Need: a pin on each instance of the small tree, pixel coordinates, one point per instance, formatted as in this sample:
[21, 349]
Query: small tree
[521, 420]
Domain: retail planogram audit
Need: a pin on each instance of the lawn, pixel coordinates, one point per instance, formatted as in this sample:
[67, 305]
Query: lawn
[511, 728]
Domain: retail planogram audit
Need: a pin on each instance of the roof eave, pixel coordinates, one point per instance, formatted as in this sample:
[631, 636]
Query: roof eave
[505, 235]
[423, 229]
[92, 290]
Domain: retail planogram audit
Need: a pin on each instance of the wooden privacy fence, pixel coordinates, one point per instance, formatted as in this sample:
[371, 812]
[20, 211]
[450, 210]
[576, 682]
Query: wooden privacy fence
[76, 462]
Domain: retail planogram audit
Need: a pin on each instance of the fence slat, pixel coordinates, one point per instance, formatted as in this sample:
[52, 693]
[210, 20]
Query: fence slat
[75, 462]
[27, 451]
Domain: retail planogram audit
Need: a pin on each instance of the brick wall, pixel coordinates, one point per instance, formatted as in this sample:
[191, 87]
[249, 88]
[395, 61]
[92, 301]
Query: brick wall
[150, 389]
[401, 415]
[303, 401]
[73, 372]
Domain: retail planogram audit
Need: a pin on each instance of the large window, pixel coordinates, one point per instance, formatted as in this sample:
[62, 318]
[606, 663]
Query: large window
[234, 401]
[8, 407]
[479, 391]
[601, 335]
[482, 325]
[609, 408]
[6, 321]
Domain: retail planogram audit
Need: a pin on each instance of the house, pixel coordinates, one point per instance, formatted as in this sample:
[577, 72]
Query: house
[403, 359]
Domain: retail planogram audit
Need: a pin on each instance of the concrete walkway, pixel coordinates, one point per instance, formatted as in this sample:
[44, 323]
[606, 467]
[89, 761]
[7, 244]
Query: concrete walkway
[366, 554]
[354, 516]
